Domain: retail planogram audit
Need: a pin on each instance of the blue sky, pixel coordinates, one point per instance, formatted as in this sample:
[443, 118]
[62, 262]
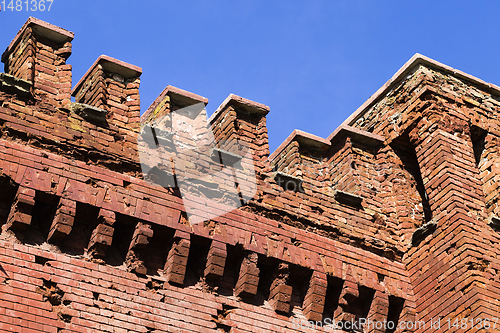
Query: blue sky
[313, 62]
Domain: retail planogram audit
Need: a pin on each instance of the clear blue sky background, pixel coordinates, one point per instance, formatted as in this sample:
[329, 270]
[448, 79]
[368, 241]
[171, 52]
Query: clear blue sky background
[312, 62]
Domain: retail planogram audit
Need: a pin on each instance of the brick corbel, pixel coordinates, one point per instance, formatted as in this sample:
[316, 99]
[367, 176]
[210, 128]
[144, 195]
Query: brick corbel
[314, 301]
[102, 236]
[350, 292]
[379, 309]
[280, 292]
[140, 240]
[175, 267]
[63, 220]
[216, 260]
[248, 279]
[20, 213]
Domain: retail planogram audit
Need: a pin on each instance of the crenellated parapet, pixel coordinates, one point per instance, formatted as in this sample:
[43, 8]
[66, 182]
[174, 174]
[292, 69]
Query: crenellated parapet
[171, 221]
[95, 180]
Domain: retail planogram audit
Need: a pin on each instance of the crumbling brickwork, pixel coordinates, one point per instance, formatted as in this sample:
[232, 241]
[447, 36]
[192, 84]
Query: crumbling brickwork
[392, 218]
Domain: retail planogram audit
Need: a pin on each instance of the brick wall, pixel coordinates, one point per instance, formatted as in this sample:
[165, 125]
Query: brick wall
[392, 217]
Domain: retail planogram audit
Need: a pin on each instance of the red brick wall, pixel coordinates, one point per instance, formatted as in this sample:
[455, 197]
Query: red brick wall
[390, 221]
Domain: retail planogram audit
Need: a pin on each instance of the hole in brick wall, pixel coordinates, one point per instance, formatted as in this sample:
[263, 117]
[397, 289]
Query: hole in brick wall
[122, 237]
[155, 254]
[4, 273]
[333, 290]
[221, 316]
[197, 259]
[396, 305]
[64, 317]
[83, 225]
[154, 285]
[299, 280]
[227, 283]
[406, 152]
[267, 267]
[7, 195]
[42, 216]
[478, 136]
[41, 260]
[50, 292]
[118, 137]
[358, 307]
[364, 301]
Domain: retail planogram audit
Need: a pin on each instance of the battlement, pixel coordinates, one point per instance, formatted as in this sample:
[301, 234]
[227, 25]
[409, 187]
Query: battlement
[193, 220]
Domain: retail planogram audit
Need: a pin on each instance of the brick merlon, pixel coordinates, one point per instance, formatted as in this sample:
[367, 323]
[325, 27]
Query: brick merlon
[178, 96]
[111, 65]
[43, 29]
[247, 105]
[410, 66]
[304, 139]
[359, 135]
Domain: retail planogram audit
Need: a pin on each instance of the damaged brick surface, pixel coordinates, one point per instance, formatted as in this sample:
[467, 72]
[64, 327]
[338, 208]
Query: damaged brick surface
[392, 217]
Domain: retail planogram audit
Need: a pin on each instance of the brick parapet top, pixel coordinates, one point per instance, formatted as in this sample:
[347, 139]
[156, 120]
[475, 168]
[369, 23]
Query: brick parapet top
[111, 65]
[312, 141]
[41, 28]
[357, 134]
[178, 96]
[304, 139]
[245, 104]
[410, 66]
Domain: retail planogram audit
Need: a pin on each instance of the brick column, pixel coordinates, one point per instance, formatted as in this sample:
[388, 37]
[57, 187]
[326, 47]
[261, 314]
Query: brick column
[445, 265]
[113, 86]
[352, 177]
[38, 55]
[238, 118]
